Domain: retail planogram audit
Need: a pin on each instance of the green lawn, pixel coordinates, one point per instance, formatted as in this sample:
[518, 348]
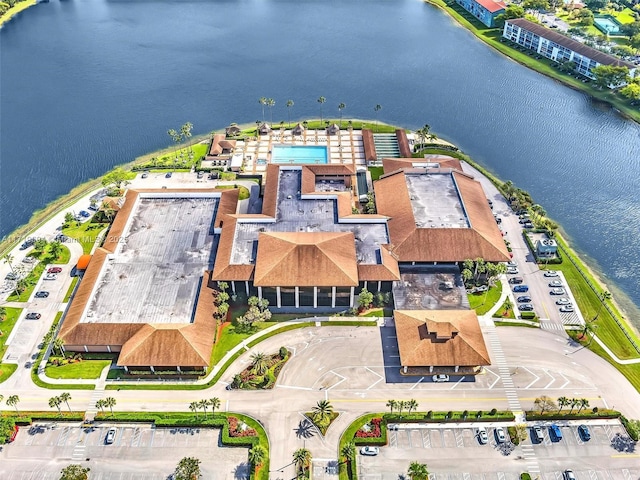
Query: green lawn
[500, 313]
[85, 233]
[484, 301]
[244, 191]
[6, 370]
[67, 295]
[63, 257]
[31, 281]
[6, 327]
[88, 369]
[175, 159]
[229, 339]
[376, 172]
[625, 16]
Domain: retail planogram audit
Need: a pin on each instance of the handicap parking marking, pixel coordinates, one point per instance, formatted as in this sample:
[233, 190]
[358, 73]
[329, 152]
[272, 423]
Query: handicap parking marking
[393, 438]
[501, 475]
[137, 435]
[459, 439]
[593, 475]
[426, 438]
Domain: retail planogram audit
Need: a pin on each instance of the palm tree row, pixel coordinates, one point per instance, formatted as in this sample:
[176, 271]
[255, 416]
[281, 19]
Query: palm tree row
[400, 405]
[55, 402]
[12, 401]
[108, 402]
[183, 134]
[581, 403]
[204, 404]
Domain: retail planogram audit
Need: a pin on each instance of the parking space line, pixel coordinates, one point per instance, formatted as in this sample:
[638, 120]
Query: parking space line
[458, 436]
[426, 439]
[416, 384]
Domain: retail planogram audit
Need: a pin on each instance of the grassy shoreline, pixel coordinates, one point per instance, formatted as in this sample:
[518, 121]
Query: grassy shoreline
[492, 38]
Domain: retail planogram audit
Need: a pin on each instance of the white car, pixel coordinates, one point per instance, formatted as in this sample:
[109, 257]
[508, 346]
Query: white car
[51, 276]
[555, 283]
[512, 270]
[566, 308]
[563, 301]
[440, 378]
[550, 273]
[500, 436]
[512, 264]
[371, 451]
[557, 291]
[483, 438]
[111, 435]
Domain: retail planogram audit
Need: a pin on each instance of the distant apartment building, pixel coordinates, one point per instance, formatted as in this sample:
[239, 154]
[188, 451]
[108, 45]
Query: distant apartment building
[484, 10]
[559, 48]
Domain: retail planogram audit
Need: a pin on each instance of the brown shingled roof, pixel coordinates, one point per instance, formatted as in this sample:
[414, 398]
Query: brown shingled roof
[215, 148]
[391, 165]
[223, 268]
[570, 43]
[403, 143]
[440, 338]
[296, 258]
[369, 145]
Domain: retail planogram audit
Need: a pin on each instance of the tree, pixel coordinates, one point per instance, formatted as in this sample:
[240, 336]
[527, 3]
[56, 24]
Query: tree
[7, 427]
[68, 219]
[585, 17]
[411, 405]
[188, 469]
[262, 101]
[110, 402]
[376, 109]
[392, 404]
[100, 404]
[3, 317]
[341, 107]
[467, 275]
[418, 471]
[562, 402]
[302, 460]
[631, 91]
[573, 403]
[595, 5]
[544, 403]
[321, 413]
[259, 361]
[13, 401]
[604, 296]
[348, 451]
[289, 105]
[65, 397]
[512, 11]
[74, 472]
[321, 100]
[193, 406]
[203, 404]
[8, 259]
[271, 103]
[116, 177]
[175, 137]
[55, 402]
[582, 404]
[185, 131]
[257, 455]
[400, 405]
[634, 41]
[610, 76]
[536, 5]
[365, 298]
[55, 248]
[215, 403]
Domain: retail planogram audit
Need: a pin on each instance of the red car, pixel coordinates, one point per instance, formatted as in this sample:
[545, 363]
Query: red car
[54, 270]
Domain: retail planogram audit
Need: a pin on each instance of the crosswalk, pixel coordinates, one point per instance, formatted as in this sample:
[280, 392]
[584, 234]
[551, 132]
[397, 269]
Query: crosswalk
[546, 324]
[513, 401]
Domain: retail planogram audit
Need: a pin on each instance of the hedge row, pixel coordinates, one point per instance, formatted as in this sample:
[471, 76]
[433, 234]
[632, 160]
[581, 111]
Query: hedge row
[631, 430]
[585, 415]
[27, 418]
[454, 416]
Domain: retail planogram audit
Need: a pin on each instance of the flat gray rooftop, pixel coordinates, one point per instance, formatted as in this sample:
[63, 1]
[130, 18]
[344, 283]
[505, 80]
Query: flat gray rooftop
[430, 288]
[156, 274]
[296, 215]
[435, 201]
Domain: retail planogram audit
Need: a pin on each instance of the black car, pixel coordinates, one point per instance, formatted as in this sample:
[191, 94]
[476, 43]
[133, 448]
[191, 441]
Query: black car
[168, 175]
[33, 316]
[584, 432]
[524, 299]
[525, 307]
[42, 294]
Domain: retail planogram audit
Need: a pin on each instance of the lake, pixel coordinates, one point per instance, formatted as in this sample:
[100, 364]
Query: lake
[90, 84]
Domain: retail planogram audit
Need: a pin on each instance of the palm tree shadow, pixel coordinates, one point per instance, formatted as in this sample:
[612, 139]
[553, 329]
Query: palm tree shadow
[305, 429]
[242, 471]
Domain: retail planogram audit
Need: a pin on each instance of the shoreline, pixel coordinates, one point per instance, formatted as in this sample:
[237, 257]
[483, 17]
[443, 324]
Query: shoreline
[15, 10]
[629, 113]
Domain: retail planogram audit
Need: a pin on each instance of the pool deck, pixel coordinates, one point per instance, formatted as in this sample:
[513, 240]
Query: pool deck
[344, 148]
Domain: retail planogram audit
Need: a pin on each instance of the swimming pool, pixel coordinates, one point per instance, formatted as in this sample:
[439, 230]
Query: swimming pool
[298, 154]
[607, 24]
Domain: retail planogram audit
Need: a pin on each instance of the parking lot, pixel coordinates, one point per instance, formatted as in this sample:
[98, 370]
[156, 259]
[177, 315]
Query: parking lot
[453, 452]
[138, 452]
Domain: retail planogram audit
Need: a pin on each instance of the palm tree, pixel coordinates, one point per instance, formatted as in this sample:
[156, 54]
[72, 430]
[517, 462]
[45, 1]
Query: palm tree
[589, 329]
[3, 317]
[418, 471]
[58, 344]
[574, 402]
[341, 107]
[215, 403]
[271, 103]
[289, 105]
[508, 305]
[562, 402]
[100, 404]
[65, 397]
[301, 459]
[605, 295]
[322, 412]
[376, 109]
[55, 248]
[411, 405]
[262, 101]
[13, 401]
[175, 137]
[193, 406]
[348, 451]
[203, 404]
[321, 100]
[257, 455]
[55, 402]
[8, 259]
[400, 405]
[185, 130]
[110, 402]
[583, 403]
[108, 210]
[392, 404]
[260, 366]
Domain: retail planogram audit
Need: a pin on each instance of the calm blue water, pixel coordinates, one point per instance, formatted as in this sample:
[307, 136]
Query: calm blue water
[298, 154]
[89, 84]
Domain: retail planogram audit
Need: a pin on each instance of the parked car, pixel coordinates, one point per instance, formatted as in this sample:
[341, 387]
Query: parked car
[525, 307]
[557, 291]
[440, 378]
[11, 276]
[521, 288]
[555, 432]
[584, 432]
[512, 264]
[29, 260]
[200, 174]
[54, 270]
[528, 225]
[144, 175]
[50, 276]
[568, 474]
[550, 273]
[168, 175]
[498, 219]
[483, 438]
[33, 316]
[85, 214]
[27, 243]
[111, 435]
[516, 280]
[512, 271]
[371, 451]
[500, 436]
[536, 434]
[93, 207]
[563, 301]
[567, 308]
[524, 220]
[555, 283]
[61, 238]
[524, 299]
[42, 294]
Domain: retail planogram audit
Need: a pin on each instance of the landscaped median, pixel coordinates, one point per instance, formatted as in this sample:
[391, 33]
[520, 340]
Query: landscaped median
[238, 430]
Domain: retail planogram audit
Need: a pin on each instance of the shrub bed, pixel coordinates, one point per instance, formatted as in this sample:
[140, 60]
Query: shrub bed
[27, 418]
[452, 416]
[249, 380]
[585, 415]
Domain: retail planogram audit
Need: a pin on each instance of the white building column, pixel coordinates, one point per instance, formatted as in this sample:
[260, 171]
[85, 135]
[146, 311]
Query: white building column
[178, 367]
[457, 367]
[278, 298]
[379, 285]
[405, 369]
[315, 297]
[86, 349]
[233, 286]
[152, 369]
[259, 292]
[297, 297]
[109, 348]
[365, 285]
[126, 369]
[246, 286]
[351, 297]
[431, 369]
[333, 297]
